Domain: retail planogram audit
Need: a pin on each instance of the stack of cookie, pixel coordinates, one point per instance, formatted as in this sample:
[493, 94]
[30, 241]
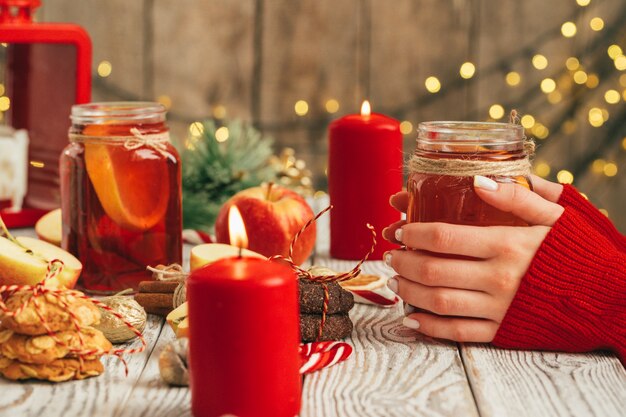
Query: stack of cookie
[337, 325]
[28, 351]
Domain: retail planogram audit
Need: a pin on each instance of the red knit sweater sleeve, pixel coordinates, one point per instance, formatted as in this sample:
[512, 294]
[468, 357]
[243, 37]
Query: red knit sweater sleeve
[570, 197]
[573, 296]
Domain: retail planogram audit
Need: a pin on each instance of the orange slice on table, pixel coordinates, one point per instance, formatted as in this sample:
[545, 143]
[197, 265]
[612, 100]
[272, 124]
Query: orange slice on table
[132, 185]
[364, 282]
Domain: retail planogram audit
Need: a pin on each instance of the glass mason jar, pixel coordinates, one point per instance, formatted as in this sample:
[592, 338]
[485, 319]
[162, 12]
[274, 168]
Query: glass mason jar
[121, 193]
[446, 158]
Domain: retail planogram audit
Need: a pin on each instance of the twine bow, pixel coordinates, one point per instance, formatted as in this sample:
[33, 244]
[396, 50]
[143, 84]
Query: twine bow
[324, 279]
[55, 267]
[158, 141]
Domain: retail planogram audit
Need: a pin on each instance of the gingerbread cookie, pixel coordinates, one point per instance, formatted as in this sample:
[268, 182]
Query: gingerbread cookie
[44, 349]
[54, 309]
[56, 371]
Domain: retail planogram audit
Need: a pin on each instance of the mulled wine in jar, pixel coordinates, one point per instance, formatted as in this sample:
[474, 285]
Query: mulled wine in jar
[447, 157]
[121, 193]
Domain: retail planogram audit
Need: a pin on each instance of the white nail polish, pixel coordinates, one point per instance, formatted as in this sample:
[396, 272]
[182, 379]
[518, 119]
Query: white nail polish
[392, 284]
[411, 323]
[387, 258]
[485, 183]
[399, 234]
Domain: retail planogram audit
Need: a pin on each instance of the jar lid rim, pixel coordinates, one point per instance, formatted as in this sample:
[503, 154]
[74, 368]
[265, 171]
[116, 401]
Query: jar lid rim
[117, 109]
[470, 131]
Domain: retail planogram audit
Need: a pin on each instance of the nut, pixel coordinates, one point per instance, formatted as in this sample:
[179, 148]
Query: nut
[5, 335]
[8, 351]
[31, 348]
[62, 377]
[51, 298]
[4, 362]
[27, 316]
[113, 328]
[173, 362]
[28, 371]
[43, 342]
[92, 373]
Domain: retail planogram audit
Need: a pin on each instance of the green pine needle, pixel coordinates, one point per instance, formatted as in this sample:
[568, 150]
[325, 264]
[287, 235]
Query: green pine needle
[214, 171]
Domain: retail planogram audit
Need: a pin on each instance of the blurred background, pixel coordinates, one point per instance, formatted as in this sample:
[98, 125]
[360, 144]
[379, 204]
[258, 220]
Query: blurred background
[289, 67]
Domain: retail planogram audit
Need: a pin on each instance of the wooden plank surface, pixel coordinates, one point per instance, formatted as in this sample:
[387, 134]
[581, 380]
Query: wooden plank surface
[151, 397]
[392, 372]
[535, 384]
[98, 396]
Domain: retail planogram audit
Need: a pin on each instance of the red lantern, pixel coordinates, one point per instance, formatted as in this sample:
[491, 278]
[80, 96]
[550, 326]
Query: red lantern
[47, 70]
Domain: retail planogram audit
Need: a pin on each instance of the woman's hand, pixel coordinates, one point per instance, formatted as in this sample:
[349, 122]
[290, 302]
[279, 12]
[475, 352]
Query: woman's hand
[465, 277]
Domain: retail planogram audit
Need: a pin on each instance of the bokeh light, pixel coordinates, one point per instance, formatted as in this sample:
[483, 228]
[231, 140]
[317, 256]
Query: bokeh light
[496, 111]
[548, 85]
[540, 62]
[221, 134]
[568, 29]
[527, 121]
[612, 96]
[596, 24]
[406, 127]
[565, 177]
[104, 69]
[513, 78]
[432, 84]
[467, 70]
[301, 107]
[542, 169]
[572, 63]
[332, 106]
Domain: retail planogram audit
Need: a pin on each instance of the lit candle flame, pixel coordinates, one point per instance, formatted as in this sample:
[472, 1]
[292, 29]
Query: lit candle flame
[236, 228]
[366, 109]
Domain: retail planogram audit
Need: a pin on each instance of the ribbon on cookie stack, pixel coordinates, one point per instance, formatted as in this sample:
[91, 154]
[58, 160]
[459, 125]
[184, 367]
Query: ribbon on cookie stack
[46, 332]
[326, 278]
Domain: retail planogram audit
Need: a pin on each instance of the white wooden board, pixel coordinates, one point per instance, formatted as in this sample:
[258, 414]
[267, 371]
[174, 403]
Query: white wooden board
[392, 372]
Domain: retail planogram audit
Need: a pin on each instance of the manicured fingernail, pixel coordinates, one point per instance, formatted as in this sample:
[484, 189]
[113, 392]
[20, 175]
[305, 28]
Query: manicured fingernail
[409, 309]
[387, 257]
[398, 234]
[485, 183]
[411, 323]
[392, 283]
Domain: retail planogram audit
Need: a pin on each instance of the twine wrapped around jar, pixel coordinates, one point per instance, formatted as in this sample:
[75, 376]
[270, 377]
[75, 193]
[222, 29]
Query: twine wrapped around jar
[464, 167]
[136, 140]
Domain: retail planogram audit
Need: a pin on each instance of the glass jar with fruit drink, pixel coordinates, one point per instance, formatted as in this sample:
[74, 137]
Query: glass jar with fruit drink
[446, 158]
[121, 193]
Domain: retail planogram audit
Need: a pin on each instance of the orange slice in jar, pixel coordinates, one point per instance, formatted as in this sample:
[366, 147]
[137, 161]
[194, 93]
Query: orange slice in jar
[132, 185]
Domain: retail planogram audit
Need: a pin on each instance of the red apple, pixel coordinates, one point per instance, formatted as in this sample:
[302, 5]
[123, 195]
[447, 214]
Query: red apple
[272, 216]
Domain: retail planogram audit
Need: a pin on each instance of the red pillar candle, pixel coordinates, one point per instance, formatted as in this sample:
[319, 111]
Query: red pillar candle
[244, 339]
[364, 170]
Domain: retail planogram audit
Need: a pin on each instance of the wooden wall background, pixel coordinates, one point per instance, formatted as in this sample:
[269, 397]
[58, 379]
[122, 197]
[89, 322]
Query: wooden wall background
[256, 58]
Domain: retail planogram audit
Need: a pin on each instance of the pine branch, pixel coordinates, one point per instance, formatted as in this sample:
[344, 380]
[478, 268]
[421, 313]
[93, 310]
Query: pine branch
[213, 171]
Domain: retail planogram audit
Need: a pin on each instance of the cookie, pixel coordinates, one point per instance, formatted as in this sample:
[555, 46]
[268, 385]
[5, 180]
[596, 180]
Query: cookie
[58, 370]
[311, 297]
[337, 326]
[56, 315]
[44, 349]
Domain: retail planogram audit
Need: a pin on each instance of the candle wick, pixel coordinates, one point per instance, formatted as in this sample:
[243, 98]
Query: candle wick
[240, 250]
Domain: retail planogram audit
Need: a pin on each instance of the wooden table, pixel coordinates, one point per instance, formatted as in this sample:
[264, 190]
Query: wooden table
[392, 372]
